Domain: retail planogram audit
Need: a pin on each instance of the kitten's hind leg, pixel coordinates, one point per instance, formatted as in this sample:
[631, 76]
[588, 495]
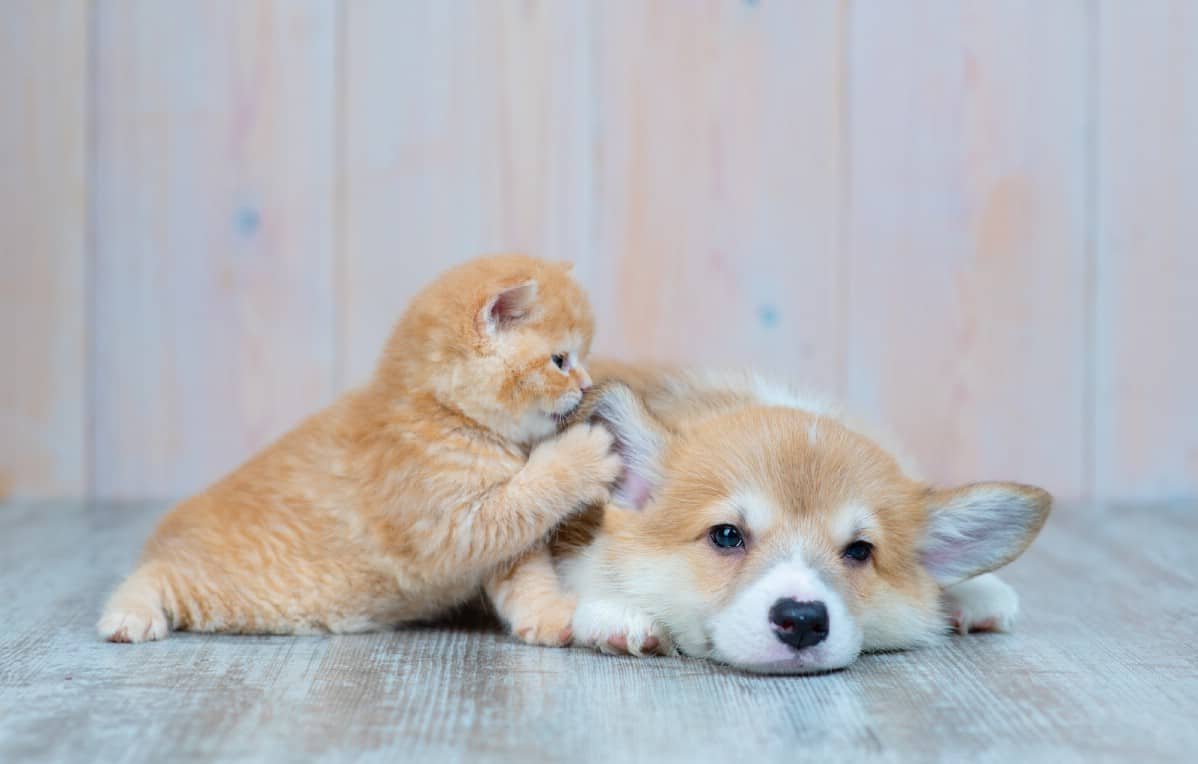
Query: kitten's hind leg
[529, 598]
[135, 612]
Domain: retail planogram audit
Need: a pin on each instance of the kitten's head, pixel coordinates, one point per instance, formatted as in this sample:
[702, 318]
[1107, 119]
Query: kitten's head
[500, 339]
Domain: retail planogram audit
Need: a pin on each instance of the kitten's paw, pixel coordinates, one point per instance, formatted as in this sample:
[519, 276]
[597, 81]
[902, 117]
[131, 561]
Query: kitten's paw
[614, 629]
[985, 603]
[584, 456]
[547, 624]
[133, 624]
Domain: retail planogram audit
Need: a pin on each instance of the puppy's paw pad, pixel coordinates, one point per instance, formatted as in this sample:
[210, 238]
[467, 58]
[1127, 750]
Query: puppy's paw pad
[982, 604]
[962, 626]
[133, 625]
[616, 630]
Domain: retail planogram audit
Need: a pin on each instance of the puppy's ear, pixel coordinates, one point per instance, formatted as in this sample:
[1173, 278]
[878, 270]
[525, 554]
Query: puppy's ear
[980, 527]
[508, 307]
[640, 439]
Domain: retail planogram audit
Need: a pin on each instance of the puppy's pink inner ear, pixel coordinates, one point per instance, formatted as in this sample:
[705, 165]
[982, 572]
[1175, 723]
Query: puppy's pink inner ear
[511, 306]
[978, 528]
[634, 490]
[639, 441]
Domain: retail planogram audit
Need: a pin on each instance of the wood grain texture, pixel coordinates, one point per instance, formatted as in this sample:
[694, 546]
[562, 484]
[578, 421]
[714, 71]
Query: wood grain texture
[466, 129]
[43, 233]
[718, 184]
[971, 220]
[214, 290]
[1103, 667]
[968, 235]
[1146, 303]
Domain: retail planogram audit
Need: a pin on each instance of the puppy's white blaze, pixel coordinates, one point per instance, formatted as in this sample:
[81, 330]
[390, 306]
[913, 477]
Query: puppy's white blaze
[853, 521]
[756, 510]
[742, 636]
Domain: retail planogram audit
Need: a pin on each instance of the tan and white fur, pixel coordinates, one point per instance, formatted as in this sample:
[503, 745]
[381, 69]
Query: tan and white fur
[840, 550]
[403, 498]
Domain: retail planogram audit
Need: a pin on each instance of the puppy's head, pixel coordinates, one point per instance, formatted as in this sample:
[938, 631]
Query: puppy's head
[779, 541]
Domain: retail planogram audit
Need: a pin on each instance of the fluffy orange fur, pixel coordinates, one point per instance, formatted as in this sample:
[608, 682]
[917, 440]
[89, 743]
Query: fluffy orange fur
[403, 498]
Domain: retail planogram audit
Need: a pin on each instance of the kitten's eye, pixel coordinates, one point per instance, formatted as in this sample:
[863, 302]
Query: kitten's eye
[559, 361]
[858, 551]
[726, 536]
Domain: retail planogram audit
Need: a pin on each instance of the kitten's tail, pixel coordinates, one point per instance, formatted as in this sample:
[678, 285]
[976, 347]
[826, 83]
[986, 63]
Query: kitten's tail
[134, 612]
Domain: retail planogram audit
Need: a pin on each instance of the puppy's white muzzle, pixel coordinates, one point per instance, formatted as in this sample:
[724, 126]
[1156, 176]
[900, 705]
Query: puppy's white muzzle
[787, 622]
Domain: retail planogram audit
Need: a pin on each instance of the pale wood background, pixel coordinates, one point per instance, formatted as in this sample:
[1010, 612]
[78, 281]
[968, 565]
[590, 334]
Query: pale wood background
[975, 221]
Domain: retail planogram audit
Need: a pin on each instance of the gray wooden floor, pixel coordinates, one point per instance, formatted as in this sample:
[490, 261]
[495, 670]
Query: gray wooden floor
[1104, 667]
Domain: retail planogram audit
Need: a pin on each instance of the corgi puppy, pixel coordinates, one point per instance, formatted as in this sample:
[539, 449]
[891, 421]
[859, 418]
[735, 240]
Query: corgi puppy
[769, 534]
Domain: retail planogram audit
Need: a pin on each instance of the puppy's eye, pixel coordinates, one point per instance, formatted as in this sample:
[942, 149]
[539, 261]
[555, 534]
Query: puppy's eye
[858, 551]
[559, 361]
[726, 536]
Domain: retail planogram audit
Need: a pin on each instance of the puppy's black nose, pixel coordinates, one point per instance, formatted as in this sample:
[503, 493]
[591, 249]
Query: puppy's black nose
[799, 624]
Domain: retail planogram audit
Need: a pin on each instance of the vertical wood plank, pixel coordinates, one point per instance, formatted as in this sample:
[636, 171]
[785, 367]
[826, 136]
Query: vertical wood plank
[214, 175]
[465, 132]
[719, 186]
[1146, 302]
[43, 234]
[968, 235]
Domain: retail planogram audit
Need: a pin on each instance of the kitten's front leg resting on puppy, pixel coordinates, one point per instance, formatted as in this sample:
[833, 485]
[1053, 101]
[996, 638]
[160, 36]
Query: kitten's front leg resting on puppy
[562, 476]
[574, 470]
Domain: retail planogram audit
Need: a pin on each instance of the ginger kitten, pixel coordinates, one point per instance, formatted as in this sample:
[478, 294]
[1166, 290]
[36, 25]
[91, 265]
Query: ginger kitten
[401, 499]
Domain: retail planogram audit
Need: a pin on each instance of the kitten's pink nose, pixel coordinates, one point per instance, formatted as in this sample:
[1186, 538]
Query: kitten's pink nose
[584, 379]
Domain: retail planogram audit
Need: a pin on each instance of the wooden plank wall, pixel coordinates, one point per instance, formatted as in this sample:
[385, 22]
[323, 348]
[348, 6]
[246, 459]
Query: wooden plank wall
[967, 234]
[1145, 312]
[43, 247]
[973, 221]
[213, 238]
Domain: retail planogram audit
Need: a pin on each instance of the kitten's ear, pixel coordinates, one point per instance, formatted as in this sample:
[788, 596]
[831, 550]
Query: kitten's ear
[980, 527]
[640, 439]
[566, 266]
[508, 307]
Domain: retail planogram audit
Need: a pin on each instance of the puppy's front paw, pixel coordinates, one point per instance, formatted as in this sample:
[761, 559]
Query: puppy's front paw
[547, 624]
[611, 628]
[985, 603]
